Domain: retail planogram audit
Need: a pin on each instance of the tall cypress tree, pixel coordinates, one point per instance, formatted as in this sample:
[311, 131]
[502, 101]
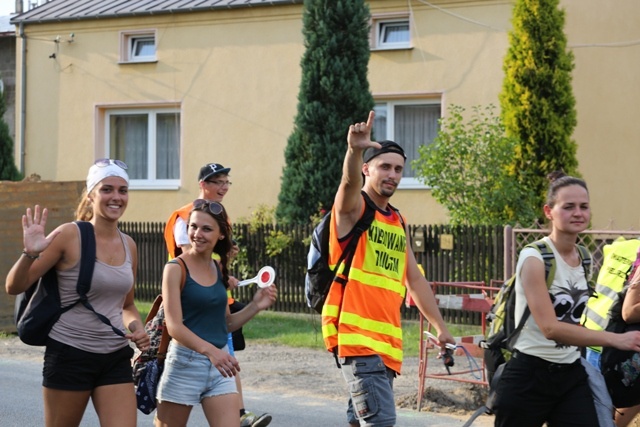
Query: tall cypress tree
[334, 92]
[538, 106]
[8, 170]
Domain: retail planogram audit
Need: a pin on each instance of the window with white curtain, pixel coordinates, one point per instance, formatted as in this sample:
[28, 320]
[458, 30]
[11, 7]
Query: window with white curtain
[411, 124]
[148, 141]
[391, 33]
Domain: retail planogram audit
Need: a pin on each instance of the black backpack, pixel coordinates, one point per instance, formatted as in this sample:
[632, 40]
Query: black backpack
[617, 367]
[38, 308]
[320, 276]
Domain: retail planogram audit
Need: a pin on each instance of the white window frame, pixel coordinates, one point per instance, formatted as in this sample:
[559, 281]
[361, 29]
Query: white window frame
[151, 183]
[380, 25]
[129, 41]
[406, 182]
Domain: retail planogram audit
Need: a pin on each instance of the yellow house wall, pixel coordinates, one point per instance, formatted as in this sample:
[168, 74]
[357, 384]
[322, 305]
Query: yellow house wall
[605, 39]
[236, 76]
[236, 80]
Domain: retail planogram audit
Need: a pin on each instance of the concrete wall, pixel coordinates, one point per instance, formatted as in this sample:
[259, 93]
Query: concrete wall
[60, 198]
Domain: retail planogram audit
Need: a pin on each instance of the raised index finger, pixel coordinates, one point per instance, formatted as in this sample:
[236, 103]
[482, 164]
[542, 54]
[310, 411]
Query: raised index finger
[372, 116]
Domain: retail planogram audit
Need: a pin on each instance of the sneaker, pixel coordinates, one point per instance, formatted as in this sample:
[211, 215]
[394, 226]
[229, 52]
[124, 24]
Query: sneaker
[249, 419]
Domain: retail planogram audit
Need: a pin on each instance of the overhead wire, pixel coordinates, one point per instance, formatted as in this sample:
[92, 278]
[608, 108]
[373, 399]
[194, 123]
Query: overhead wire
[620, 44]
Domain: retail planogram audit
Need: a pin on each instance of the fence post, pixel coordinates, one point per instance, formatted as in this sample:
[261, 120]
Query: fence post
[508, 252]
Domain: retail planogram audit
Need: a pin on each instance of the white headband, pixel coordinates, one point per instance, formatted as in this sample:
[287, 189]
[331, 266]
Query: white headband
[98, 173]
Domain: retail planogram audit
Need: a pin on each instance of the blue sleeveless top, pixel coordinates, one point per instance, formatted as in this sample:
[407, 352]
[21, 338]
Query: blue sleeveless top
[204, 309]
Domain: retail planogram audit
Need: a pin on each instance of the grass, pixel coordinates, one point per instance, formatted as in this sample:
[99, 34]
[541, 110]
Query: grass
[304, 330]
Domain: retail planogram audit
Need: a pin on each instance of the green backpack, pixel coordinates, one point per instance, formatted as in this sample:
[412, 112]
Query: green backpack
[501, 332]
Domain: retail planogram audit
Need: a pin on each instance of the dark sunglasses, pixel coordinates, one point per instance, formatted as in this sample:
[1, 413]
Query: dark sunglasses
[106, 162]
[214, 208]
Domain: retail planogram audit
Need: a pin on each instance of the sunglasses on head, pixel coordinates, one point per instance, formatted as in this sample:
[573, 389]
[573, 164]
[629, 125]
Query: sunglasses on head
[106, 162]
[214, 208]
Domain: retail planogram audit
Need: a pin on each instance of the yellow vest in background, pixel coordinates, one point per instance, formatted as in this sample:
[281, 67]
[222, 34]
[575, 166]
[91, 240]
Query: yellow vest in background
[617, 260]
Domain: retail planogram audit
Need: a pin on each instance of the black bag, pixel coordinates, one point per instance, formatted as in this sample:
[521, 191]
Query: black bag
[38, 308]
[236, 336]
[617, 367]
[320, 276]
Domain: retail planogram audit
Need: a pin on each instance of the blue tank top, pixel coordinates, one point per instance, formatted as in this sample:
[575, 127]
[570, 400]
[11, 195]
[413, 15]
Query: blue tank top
[204, 309]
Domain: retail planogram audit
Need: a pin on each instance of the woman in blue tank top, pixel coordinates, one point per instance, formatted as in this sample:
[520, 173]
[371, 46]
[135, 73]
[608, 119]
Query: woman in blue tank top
[199, 368]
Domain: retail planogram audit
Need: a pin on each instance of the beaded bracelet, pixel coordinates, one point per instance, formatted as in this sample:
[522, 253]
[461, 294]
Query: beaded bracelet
[34, 257]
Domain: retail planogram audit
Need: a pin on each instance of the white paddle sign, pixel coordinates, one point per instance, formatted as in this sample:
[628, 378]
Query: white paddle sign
[265, 277]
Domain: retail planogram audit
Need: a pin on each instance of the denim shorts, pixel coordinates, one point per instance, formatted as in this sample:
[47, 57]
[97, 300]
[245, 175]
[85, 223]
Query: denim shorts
[189, 377]
[230, 344]
[593, 357]
[371, 401]
[69, 368]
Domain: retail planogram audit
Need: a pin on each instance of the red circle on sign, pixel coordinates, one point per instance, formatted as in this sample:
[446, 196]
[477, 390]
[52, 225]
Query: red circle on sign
[264, 277]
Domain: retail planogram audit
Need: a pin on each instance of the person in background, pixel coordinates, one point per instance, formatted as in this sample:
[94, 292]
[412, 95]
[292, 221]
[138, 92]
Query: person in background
[84, 359]
[199, 368]
[545, 381]
[213, 180]
[630, 314]
[361, 320]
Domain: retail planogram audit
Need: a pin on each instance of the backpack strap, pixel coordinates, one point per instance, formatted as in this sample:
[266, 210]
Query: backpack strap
[548, 258]
[87, 262]
[358, 229]
[585, 259]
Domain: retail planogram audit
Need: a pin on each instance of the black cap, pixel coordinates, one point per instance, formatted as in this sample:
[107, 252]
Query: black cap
[211, 169]
[385, 147]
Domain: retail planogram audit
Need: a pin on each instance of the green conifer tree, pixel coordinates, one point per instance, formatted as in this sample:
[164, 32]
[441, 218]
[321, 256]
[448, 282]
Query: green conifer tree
[537, 102]
[8, 170]
[334, 92]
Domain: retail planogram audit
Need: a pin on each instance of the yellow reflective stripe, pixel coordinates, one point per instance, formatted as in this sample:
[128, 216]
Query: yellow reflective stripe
[377, 281]
[329, 330]
[377, 346]
[371, 325]
[330, 310]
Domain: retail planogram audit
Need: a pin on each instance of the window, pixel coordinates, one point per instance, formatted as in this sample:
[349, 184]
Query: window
[138, 46]
[148, 141]
[411, 124]
[391, 33]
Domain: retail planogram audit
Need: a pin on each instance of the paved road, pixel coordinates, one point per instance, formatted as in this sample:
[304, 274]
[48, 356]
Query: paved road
[21, 405]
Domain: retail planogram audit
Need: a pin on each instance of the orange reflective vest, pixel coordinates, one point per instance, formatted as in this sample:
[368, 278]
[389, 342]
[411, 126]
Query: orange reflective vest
[363, 317]
[169, 239]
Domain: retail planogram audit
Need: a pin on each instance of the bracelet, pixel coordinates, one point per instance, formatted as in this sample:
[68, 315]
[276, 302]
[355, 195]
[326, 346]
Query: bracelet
[33, 257]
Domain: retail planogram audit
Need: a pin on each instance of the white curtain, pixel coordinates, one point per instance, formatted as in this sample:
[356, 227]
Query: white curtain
[130, 142]
[415, 125]
[168, 146]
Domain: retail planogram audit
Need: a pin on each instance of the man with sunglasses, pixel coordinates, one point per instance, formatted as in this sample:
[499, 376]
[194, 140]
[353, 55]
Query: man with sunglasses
[361, 319]
[213, 180]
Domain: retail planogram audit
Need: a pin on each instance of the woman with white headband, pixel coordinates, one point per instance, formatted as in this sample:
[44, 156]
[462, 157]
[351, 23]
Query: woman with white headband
[84, 358]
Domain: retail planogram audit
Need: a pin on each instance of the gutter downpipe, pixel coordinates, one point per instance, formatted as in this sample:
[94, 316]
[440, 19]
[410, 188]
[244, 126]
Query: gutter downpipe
[23, 97]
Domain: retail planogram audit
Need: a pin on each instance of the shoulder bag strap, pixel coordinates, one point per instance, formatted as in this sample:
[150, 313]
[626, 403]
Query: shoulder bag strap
[165, 338]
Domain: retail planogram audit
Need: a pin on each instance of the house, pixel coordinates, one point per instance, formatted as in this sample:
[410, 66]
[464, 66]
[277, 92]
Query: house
[170, 85]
